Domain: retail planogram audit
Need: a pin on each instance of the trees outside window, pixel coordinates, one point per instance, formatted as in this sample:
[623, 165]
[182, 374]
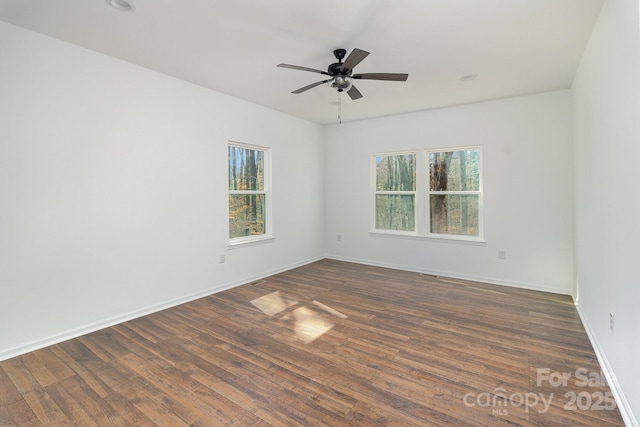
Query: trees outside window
[449, 205]
[248, 191]
[454, 192]
[395, 191]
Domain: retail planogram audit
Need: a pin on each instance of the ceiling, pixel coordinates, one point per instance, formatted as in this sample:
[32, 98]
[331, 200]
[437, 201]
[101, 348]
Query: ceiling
[515, 47]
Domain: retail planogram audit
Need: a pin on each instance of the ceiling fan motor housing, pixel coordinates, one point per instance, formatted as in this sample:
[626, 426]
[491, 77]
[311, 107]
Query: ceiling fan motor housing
[335, 69]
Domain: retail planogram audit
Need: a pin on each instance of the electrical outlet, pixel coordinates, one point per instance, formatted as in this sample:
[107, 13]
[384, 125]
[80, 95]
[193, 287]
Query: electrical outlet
[611, 321]
[502, 254]
[223, 258]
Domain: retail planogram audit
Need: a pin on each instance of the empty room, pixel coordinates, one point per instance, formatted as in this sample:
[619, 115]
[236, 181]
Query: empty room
[339, 213]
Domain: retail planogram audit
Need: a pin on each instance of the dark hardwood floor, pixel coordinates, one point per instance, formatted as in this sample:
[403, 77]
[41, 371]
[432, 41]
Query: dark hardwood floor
[327, 344]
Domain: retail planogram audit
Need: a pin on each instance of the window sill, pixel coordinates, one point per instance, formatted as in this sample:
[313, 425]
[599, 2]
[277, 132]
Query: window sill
[440, 239]
[250, 242]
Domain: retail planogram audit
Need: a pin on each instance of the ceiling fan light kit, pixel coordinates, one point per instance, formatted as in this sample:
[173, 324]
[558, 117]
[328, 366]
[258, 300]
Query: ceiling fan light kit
[341, 83]
[341, 73]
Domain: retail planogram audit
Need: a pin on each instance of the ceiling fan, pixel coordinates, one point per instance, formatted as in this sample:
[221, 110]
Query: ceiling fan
[341, 73]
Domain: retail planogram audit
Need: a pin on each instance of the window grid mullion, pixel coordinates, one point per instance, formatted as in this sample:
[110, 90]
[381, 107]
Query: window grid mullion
[248, 192]
[398, 193]
[455, 192]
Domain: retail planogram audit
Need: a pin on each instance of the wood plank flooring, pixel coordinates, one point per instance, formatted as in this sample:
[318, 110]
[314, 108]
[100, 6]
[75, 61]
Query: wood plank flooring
[327, 344]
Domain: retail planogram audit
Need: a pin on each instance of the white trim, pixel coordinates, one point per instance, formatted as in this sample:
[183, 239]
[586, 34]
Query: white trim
[241, 242]
[268, 198]
[442, 238]
[621, 400]
[247, 146]
[396, 233]
[395, 153]
[396, 193]
[95, 326]
[456, 193]
[373, 177]
[453, 275]
[479, 192]
[421, 197]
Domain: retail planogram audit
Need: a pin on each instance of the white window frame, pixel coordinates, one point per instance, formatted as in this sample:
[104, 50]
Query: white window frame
[428, 193]
[375, 192]
[268, 235]
[422, 193]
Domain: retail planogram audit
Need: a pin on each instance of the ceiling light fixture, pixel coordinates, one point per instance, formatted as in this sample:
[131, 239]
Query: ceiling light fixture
[341, 83]
[121, 5]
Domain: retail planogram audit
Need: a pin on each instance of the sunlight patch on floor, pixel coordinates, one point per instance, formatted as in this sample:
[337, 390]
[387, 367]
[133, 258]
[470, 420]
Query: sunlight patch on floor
[329, 310]
[272, 304]
[308, 325]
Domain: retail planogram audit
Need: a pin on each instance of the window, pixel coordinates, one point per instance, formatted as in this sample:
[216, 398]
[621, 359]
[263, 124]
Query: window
[437, 195]
[455, 192]
[249, 196]
[395, 191]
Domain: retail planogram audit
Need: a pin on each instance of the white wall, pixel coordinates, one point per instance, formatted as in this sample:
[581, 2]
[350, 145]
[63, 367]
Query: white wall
[606, 99]
[528, 174]
[113, 191]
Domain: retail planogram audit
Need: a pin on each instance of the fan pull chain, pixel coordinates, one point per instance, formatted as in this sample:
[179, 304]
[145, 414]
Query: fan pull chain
[340, 107]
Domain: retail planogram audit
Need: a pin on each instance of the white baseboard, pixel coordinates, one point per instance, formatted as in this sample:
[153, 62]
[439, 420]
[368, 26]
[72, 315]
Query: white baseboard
[87, 329]
[622, 402]
[454, 275]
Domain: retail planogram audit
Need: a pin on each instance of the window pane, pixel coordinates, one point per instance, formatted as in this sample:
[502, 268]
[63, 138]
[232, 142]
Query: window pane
[454, 170]
[246, 169]
[246, 215]
[455, 214]
[396, 173]
[395, 212]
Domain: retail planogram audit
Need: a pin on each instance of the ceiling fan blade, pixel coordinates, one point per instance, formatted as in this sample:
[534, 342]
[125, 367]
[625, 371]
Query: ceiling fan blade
[311, 86]
[396, 77]
[355, 57]
[354, 93]
[297, 67]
